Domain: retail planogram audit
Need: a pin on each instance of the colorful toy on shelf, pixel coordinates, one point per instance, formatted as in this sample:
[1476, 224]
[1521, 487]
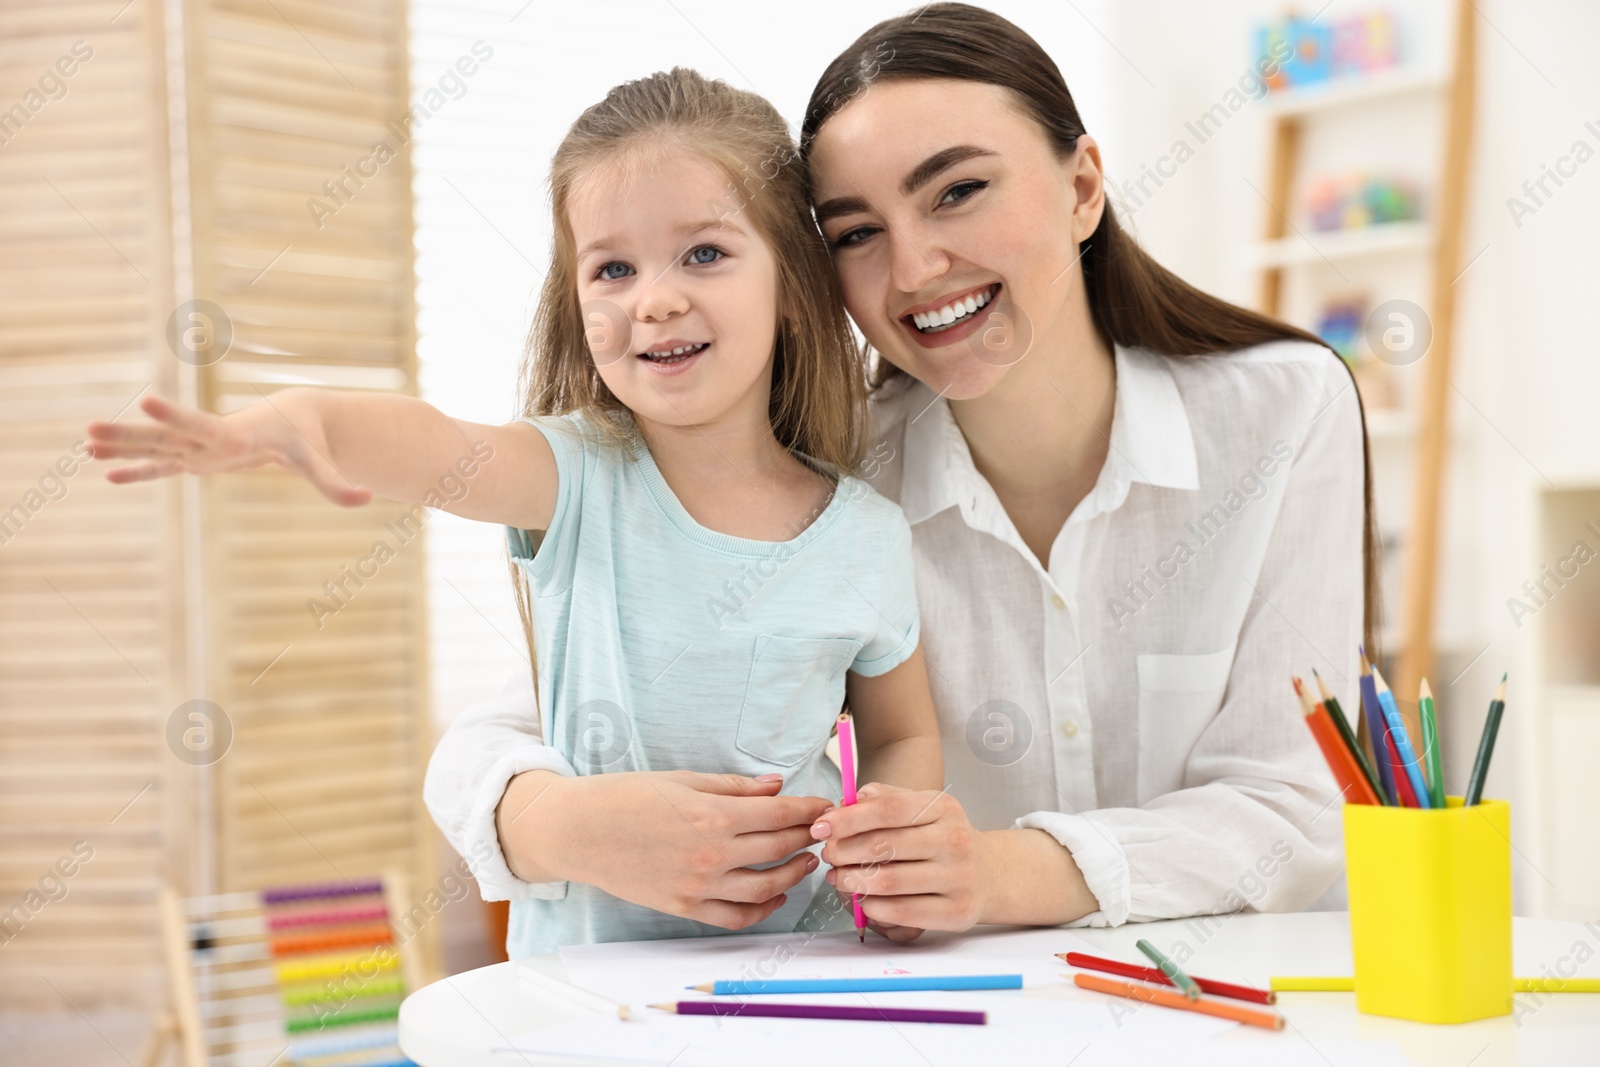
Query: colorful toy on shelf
[1324, 49]
[1351, 202]
[1340, 324]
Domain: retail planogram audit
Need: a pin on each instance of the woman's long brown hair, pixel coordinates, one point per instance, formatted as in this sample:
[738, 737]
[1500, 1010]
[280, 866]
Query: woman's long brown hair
[1135, 301]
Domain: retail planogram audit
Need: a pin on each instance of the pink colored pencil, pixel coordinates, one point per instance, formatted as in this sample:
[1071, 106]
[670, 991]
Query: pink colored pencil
[847, 776]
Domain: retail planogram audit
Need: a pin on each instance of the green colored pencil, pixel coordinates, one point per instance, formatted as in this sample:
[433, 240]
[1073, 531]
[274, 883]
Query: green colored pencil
[1170, 969]
[1342, 724]
[1430, 742]
[1491, 726]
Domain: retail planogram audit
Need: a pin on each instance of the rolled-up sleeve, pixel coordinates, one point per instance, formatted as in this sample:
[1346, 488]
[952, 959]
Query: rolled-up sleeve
[483, 749]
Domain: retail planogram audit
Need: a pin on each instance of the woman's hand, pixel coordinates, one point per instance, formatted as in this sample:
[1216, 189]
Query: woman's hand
[913, 855]
[680, 842]
[287, 430]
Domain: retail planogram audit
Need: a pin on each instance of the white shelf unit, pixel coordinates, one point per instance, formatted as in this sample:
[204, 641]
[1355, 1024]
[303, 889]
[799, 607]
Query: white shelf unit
[1415, 260]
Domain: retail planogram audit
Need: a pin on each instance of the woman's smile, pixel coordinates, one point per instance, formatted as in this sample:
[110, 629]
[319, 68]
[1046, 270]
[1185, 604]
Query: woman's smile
[951, 319]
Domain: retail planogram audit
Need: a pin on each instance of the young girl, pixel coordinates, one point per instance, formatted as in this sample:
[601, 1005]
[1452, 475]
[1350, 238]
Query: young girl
[707, 583]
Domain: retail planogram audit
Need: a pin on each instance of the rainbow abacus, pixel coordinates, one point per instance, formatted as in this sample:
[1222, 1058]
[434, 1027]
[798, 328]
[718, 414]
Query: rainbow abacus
[311, 975]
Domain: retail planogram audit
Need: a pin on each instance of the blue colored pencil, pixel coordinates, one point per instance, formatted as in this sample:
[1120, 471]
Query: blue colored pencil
[861, 985]
[1375, 729]
[1402, 742]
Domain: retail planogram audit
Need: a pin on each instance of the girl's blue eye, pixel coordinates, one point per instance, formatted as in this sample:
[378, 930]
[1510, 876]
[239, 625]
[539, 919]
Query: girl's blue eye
[961, 191]
[705, 254]
[613, 271]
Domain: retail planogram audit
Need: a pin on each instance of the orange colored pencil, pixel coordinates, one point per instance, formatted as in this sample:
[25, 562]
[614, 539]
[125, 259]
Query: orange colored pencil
[1171, 998]
[1346, 771]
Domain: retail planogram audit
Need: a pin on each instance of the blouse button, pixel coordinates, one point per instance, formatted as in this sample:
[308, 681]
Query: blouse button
[1057, 601]
[1069, 729]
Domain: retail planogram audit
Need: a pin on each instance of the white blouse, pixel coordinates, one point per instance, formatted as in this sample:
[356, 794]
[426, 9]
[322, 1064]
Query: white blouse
[1131, 699]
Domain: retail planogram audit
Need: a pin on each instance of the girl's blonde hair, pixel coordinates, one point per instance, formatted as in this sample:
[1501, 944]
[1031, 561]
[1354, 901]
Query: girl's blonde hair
[818, 406]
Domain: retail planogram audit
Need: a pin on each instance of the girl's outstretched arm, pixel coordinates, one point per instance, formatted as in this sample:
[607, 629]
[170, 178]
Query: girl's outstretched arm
[350, 446]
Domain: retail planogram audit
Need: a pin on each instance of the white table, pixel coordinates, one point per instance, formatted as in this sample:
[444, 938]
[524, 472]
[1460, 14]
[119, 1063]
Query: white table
[455, 1022]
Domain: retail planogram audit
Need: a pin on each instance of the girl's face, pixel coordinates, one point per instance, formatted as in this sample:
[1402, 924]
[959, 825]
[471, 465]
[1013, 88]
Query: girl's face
[679, 292]
[954, 227]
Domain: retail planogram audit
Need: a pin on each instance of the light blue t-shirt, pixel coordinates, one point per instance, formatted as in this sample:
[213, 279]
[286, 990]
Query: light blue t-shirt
[663, 645]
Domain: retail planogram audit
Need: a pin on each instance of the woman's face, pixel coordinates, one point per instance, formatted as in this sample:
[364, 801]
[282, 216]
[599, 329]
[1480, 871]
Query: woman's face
[954, 227]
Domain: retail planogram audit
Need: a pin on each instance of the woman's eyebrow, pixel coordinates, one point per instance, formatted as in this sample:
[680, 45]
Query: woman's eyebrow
[929, 168]
[920, 175]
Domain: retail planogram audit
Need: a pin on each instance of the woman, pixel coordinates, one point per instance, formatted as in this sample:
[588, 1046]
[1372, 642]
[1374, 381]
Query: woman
[1136, 509]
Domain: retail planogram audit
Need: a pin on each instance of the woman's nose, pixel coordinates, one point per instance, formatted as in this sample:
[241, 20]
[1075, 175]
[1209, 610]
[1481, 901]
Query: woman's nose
[915, 260]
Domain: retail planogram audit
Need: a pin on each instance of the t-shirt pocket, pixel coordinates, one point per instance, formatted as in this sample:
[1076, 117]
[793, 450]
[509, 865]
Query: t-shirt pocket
[795, 691]
[1179, 695]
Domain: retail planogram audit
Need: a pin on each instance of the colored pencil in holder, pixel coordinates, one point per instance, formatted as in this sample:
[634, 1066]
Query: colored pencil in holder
[1480, 765]
[1348, 736]
[1378, 731]
[1353, 785]
[1411, 765]
[1430, 745]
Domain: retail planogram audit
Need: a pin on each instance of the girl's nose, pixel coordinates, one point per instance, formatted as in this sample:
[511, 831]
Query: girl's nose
[660, 300]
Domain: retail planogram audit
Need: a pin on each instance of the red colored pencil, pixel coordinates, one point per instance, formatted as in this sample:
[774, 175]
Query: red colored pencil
[1353, 783]
[1402, 782]
[1153, 974]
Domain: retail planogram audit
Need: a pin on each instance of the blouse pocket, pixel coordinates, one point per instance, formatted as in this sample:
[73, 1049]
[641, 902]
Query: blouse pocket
[1178, 698]
[795, 692]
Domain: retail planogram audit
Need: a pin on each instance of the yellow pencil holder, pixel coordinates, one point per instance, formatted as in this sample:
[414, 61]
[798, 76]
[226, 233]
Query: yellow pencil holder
[1430, 910]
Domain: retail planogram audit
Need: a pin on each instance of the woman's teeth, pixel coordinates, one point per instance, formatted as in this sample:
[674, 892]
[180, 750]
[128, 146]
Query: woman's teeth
[951, 313]
[675, 355]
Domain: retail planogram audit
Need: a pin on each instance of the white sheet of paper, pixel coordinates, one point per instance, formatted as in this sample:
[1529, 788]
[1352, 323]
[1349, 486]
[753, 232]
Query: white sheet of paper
[643, 972]
[1021, 1028]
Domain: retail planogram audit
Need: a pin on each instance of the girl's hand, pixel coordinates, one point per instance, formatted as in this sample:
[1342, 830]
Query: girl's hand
[912, 853]
[680, 842]
[285, 430]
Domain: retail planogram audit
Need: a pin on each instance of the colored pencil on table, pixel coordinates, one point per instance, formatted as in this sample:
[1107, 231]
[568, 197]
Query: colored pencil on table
[1340, 723]
[826, 1011]
[1353, 785]
[1376, 730]
[1346, 984]
[569, 992]
[1169, 968]
[1430, 745]
[1151, 974]
[907, 984]
[847, 778]
[1411, 764]
[1491, 727]
[1171, 998]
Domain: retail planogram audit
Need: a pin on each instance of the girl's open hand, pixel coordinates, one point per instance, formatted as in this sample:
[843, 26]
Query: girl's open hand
[185, 440]
[912, 853]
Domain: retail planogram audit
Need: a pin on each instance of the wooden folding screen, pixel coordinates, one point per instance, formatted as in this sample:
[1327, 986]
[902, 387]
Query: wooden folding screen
[217, 205]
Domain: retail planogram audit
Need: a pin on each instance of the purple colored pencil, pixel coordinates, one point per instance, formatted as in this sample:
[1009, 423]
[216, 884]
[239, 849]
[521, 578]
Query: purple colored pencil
[825, 1011]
